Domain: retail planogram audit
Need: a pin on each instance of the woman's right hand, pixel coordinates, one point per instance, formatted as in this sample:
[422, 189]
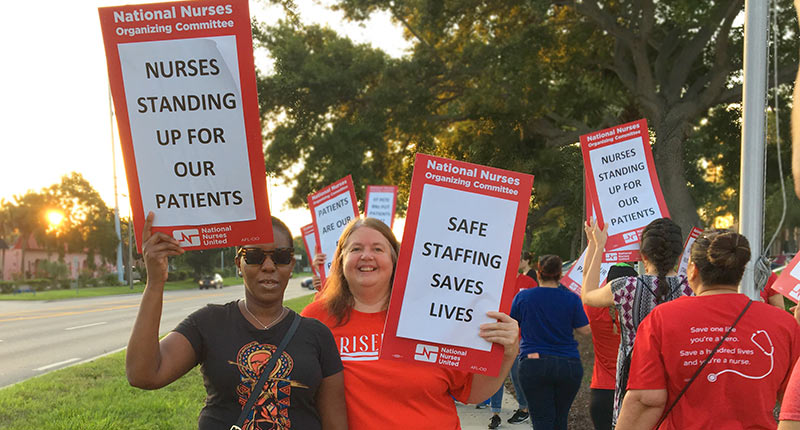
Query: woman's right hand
[156, 249]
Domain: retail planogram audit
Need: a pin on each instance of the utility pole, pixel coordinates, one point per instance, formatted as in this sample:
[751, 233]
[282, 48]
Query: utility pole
[116, 198]
[751, 187]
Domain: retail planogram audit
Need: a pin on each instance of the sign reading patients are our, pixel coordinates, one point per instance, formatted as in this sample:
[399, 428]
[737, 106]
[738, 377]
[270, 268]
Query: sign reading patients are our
[183, 83]
[332, 208]
[464, 225]
[622, 181]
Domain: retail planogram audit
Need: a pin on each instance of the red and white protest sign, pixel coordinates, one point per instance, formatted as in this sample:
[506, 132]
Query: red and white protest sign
[573, 279]
[622, 181]
[331, 209]
[687, 250]
[381, 202]
[310, 242]
[461, 246]
[788, 283]
[184, 89]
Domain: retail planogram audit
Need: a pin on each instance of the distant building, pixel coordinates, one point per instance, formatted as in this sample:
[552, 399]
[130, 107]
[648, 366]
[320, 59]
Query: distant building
[11, 260]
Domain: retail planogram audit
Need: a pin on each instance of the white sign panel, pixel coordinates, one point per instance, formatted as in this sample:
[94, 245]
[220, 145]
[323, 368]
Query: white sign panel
[460, 263]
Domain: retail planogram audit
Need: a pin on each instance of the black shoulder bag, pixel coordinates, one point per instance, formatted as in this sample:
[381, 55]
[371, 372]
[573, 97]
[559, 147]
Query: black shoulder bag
[266, 370]
[703, 365]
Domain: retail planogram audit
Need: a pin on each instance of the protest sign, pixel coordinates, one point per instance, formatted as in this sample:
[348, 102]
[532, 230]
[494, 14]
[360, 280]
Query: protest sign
[310, 242]
[331, 209]
[622, 181]
[623, 254]
[461, 245]
[788, 283]
[184, 89]
[687, 250]
[573, 279]
[381, 201]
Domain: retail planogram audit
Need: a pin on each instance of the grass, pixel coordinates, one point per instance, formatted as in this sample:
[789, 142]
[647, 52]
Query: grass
[96, 395]
[111, 291]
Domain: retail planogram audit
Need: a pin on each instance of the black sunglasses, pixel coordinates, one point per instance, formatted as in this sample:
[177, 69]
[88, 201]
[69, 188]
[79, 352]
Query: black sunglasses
[281, 256]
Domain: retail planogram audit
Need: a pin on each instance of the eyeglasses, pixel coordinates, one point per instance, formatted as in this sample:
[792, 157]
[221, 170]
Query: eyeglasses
[279, 256]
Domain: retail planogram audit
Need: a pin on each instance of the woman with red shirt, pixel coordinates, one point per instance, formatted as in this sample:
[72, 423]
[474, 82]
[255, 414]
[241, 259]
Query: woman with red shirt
[748, 349]
[383, 394]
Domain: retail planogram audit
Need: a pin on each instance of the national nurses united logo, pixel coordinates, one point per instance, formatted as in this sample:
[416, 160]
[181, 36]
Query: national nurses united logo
[427, 353]
[630, 237]
[187, 237]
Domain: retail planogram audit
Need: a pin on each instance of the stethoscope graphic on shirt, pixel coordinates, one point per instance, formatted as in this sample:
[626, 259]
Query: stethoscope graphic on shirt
[712, 377]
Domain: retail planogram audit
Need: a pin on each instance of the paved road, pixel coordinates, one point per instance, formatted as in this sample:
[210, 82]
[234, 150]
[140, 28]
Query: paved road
[37, 337]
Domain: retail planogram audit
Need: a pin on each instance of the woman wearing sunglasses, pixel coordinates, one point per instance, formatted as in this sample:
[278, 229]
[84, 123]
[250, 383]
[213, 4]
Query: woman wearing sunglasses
[382, 394]
[232, 342]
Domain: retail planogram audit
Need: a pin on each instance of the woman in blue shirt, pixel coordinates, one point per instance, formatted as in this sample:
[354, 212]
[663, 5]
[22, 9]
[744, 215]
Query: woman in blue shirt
[550, 369]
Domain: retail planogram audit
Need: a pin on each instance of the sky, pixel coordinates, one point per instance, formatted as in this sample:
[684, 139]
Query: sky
[55, 116]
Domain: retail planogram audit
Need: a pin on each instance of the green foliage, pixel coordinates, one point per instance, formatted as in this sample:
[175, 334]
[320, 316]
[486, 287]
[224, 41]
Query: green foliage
[512, 85]
[110, 280]
[7, 287]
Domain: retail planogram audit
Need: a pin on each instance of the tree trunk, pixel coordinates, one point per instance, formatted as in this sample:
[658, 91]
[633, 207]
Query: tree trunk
[668, 157]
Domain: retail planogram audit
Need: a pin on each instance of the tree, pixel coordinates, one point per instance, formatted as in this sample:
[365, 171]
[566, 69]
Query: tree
[509, 84]
[88, 223]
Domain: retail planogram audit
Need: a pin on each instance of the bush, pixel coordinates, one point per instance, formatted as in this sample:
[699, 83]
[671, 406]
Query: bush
[37, 284]
[6, 287]
[178, 275]
[64, 284]
[111, 280]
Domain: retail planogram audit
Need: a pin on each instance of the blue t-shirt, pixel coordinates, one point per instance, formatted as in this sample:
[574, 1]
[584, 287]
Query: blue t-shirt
[546, 319]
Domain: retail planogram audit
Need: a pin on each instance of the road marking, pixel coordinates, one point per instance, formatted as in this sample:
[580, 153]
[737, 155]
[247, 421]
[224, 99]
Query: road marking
[112, 308]
[101, 355]
[50, 366]
[86, 325]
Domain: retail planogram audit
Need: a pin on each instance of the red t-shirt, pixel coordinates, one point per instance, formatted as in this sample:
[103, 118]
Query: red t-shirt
[768, 292]
[790, 407]
[739, 388]
[524, 282]
[389, 394]
[605, 337]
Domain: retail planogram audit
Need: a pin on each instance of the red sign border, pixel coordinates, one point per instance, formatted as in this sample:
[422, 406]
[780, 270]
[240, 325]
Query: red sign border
[342, 186]
[472, 360]
[254, 231]
[616, 241]
[381, 189]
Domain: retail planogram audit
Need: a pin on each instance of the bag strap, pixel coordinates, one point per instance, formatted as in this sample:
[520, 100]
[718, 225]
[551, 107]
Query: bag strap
[700, 369]
[265, 372]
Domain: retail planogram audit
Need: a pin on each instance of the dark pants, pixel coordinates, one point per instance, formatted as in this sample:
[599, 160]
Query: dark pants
[601, 408]
[550, 385]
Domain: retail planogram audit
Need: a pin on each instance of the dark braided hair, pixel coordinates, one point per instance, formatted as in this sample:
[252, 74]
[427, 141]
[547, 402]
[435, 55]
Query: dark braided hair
[662, 244]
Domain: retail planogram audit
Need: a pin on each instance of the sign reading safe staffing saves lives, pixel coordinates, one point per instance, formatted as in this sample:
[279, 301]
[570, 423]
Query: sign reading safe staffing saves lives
[331, 209]
[622, 181]
[464, 224]
[381, 202]
[184, 89]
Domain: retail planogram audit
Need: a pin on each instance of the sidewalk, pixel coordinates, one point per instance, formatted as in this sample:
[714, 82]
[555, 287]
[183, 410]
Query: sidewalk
[478, 419]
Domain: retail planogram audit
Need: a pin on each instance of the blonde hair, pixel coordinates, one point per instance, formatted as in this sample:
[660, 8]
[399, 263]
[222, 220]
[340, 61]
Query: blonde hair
[336, 296]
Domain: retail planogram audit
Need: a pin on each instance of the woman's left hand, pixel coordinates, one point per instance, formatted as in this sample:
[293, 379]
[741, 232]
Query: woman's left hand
[504, 332]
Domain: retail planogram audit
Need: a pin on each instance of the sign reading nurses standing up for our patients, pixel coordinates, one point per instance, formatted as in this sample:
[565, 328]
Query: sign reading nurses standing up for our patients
[622, 181]
[461, 244]
[184, 89]
[331, 209]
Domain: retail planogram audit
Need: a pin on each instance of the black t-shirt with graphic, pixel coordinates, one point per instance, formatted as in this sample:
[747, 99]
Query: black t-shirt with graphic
[231, 352]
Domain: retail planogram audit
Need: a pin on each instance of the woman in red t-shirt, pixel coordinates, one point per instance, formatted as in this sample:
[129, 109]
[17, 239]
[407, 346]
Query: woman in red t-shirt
[744, 375]
[383, 394]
